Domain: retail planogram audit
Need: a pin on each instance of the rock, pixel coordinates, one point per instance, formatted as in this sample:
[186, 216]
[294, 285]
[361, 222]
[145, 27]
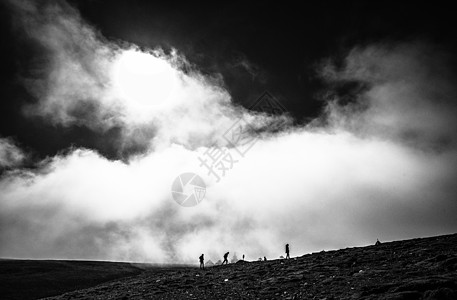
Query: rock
[440, 294]
[406, 295]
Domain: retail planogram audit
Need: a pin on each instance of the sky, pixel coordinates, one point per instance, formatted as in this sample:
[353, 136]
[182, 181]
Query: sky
[104, 106]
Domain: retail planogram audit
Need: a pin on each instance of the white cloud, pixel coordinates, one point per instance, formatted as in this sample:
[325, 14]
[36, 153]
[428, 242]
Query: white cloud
[411, 93]
[10, 154]
[88, 81]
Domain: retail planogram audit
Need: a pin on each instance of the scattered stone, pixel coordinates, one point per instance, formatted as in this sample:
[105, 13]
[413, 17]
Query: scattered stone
[412, 269]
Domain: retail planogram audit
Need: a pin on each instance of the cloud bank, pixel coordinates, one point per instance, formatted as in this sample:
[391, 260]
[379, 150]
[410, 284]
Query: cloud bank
[381, 166]
[10, 154]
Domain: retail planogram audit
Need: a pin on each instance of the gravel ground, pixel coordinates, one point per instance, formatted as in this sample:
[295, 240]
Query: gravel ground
[412, 269]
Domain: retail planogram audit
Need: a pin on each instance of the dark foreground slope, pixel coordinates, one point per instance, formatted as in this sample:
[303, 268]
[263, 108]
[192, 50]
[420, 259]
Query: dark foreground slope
[413, 269]
[31, 279]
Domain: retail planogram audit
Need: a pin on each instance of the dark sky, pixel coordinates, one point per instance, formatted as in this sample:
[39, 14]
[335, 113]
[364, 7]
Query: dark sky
[281, 43]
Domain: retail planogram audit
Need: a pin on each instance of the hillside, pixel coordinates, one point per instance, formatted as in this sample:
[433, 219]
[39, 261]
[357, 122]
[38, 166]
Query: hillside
[31, 279]
[423, 268]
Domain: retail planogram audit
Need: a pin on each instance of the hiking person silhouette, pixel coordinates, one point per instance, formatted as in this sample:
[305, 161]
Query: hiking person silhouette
[243, 257]
[225, 258]
[264, 258]
[202, 263]
[287, 251]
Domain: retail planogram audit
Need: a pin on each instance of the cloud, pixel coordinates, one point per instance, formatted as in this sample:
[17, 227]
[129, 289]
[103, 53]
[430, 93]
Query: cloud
[82, 79]
[410, 94]
[382, 165]
[10, 154]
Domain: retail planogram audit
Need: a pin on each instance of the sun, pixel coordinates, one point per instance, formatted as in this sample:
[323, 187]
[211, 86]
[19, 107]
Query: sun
[144, 80]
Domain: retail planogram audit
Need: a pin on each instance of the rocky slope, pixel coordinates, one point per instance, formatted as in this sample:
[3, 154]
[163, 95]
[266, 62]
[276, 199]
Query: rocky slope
[413, 269]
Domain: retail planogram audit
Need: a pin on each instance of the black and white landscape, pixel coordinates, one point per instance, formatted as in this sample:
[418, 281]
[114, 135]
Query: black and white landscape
[136, 136]
[423, 268]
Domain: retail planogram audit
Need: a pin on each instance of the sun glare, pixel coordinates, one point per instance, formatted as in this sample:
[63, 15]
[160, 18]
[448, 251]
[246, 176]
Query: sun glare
[143, 79]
